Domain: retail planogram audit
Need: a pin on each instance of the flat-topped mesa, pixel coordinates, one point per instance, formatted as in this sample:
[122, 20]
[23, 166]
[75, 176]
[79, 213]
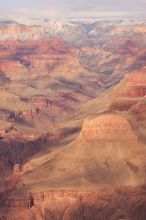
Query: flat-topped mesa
[130, 90]
[108, 128]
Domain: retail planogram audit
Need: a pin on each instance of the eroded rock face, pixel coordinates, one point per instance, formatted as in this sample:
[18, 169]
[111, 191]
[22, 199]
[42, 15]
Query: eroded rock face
[130, 91]
[121, 203]
[108, 128]
[139, 110]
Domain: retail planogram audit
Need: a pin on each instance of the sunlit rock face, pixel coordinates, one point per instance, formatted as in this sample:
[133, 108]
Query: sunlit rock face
[131, 90]
[108, 128]
[114, 143]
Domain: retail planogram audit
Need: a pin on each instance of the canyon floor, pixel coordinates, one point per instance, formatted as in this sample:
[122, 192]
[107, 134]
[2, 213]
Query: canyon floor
[73, 120]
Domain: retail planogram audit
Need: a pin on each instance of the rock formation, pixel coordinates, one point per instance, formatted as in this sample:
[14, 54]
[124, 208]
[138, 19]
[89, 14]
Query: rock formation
[72, 120]
[130, 90]
[17, 169]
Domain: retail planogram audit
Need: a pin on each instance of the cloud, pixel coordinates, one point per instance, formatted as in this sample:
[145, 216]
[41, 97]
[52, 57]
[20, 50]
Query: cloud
[65, 8]
[50, 12]
[99, 5]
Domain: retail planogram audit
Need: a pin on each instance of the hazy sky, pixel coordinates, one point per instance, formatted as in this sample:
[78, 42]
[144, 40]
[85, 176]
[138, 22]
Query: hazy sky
[74, 7]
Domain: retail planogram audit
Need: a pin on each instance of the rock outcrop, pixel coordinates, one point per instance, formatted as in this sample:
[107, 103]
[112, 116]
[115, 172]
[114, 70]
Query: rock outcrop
[121, 203]
[108, 128]
[17, 169]
[130, 90]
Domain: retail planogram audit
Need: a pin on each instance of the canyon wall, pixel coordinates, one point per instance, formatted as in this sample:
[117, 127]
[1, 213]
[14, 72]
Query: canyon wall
[121, 203]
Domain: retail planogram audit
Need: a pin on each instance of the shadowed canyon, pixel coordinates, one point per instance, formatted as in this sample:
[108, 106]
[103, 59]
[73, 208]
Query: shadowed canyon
[73, 120]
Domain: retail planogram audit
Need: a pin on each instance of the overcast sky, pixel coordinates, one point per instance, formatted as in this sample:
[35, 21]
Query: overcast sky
[75, 7]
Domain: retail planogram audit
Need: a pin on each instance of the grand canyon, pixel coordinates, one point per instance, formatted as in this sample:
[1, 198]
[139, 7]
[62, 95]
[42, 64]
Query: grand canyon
[73, 120]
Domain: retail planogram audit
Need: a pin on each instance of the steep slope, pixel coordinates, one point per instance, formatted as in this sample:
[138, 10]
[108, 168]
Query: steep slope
[108, 151]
